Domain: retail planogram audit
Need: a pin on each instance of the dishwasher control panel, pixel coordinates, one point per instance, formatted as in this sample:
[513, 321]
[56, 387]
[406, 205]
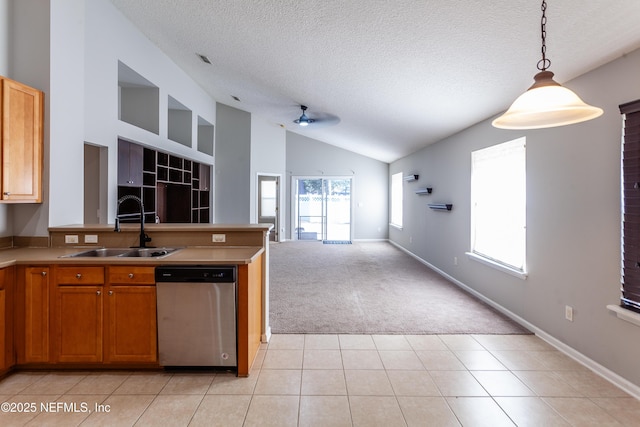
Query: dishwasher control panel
[196, 273]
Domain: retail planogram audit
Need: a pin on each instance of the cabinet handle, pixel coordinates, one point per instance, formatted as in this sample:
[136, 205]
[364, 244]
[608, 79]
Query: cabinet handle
[7, 193]
[78, 276]
[110, 292]
[44, 273]
[98, 292]
[130, 275]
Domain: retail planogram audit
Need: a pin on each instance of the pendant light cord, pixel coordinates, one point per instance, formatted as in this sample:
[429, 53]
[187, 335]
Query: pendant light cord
[544, 63]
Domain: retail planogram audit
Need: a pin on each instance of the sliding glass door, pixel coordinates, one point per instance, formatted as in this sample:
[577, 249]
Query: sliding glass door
[322, 209]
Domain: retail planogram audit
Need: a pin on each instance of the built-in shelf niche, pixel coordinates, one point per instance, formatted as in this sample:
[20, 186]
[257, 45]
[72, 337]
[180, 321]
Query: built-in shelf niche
[179, 123]
[138, 100]
[205, 136]
[173, 189]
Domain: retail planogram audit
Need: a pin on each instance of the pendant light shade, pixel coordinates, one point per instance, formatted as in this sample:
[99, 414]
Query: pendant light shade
[546, 104]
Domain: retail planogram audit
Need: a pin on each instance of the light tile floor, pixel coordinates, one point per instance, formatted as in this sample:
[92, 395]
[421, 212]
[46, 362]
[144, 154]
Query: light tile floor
[339, 380]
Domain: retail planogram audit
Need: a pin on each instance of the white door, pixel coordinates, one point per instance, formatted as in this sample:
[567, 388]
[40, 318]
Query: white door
[268, 203]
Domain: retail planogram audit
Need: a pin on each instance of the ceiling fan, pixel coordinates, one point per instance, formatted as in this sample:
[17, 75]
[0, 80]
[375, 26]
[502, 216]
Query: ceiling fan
[317, 119]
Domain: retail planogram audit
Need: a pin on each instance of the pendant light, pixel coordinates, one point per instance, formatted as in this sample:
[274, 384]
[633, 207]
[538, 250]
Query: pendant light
[546, 103]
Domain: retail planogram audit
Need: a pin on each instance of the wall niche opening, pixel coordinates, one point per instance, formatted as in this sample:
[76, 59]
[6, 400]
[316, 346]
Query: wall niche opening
[179, 123]
[138, 100]
[205, 136]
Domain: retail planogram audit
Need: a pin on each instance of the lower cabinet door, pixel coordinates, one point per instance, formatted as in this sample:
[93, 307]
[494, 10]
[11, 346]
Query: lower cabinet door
[78, 324]
[131, 319]
[33, 325]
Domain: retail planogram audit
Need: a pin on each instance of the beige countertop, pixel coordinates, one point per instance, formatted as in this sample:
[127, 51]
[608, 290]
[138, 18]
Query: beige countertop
[188, 255]
[163, 227]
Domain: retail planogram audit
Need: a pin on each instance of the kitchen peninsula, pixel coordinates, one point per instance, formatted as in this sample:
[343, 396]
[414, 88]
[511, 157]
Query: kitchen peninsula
[65, 311]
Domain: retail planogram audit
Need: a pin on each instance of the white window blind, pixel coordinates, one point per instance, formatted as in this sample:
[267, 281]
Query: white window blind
[498, 203]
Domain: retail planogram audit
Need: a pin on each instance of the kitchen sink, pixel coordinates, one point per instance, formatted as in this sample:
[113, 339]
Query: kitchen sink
[122, 252]
[102, 252]
[149, 252]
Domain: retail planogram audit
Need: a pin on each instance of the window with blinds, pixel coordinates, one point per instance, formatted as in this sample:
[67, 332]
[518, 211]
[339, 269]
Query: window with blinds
[631, 206]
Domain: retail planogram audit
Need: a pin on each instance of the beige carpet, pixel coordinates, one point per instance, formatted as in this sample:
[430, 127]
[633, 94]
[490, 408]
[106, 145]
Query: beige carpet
[370, 288]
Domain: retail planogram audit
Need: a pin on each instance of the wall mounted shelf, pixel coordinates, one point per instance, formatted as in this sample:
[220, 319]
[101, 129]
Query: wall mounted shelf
[410, 178]
[423, 191]
[441, 206]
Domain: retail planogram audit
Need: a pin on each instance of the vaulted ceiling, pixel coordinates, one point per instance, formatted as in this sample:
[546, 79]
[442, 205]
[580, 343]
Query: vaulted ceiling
[400, 74]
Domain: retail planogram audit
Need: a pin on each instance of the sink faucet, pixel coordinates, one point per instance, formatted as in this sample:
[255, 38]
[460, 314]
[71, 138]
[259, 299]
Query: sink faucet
[143, 237]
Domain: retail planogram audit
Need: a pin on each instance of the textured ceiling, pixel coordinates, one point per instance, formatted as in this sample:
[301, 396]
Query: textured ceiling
[400, 74]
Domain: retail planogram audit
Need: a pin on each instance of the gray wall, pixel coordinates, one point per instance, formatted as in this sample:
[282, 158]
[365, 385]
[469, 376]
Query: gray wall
[370, 192]
[573, 221]
[232, 169]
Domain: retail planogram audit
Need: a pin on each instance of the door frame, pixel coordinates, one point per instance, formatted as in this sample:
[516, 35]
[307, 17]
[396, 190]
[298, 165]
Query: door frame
[294, 193]
[278, 229]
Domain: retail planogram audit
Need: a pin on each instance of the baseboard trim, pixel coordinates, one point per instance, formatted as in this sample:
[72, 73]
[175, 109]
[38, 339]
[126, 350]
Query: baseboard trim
[594, 366]
[266, 336]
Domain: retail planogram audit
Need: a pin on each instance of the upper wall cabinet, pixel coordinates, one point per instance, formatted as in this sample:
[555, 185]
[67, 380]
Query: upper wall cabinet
[22, 111]
[138, 100]
[129, 164]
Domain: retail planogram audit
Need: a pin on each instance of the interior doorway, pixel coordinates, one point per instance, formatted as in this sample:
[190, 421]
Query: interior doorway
[322, 208]
[95, 184]
[269, 203]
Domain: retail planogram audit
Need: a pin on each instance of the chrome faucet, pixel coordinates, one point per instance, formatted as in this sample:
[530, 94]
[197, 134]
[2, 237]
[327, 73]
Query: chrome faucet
[143, 237]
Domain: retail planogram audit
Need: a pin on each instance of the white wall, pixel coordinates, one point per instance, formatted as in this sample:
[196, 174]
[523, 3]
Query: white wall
[66, 114]
[268, 156]
[110, 37]
[573, 221]
[5, 36]
[310, 157]
[232, 177]
[5, 33]
[30, 64]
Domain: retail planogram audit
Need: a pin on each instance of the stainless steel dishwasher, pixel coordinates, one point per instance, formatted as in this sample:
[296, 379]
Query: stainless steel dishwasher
[196, 308]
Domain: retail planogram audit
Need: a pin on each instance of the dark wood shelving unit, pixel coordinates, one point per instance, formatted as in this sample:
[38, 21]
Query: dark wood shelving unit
[172, 189]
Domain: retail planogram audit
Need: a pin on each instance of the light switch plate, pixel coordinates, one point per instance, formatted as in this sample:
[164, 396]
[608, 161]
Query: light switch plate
[91, 238]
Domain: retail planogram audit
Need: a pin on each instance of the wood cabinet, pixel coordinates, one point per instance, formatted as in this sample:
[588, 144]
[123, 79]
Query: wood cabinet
[32, 315]
[100, 317]
[21, 140]
[131, 332]
[7, 355]
[77, 314]
[83, 315]
[249, 314]
[130, 159]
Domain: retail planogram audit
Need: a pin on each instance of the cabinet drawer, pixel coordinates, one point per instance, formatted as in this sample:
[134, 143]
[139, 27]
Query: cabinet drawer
[125, 275]
[80, 275]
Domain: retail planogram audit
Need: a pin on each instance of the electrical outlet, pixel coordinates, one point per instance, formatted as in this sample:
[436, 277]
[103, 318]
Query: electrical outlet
[91, 238]
[218, 238]
[71, 238]
[568, 313]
